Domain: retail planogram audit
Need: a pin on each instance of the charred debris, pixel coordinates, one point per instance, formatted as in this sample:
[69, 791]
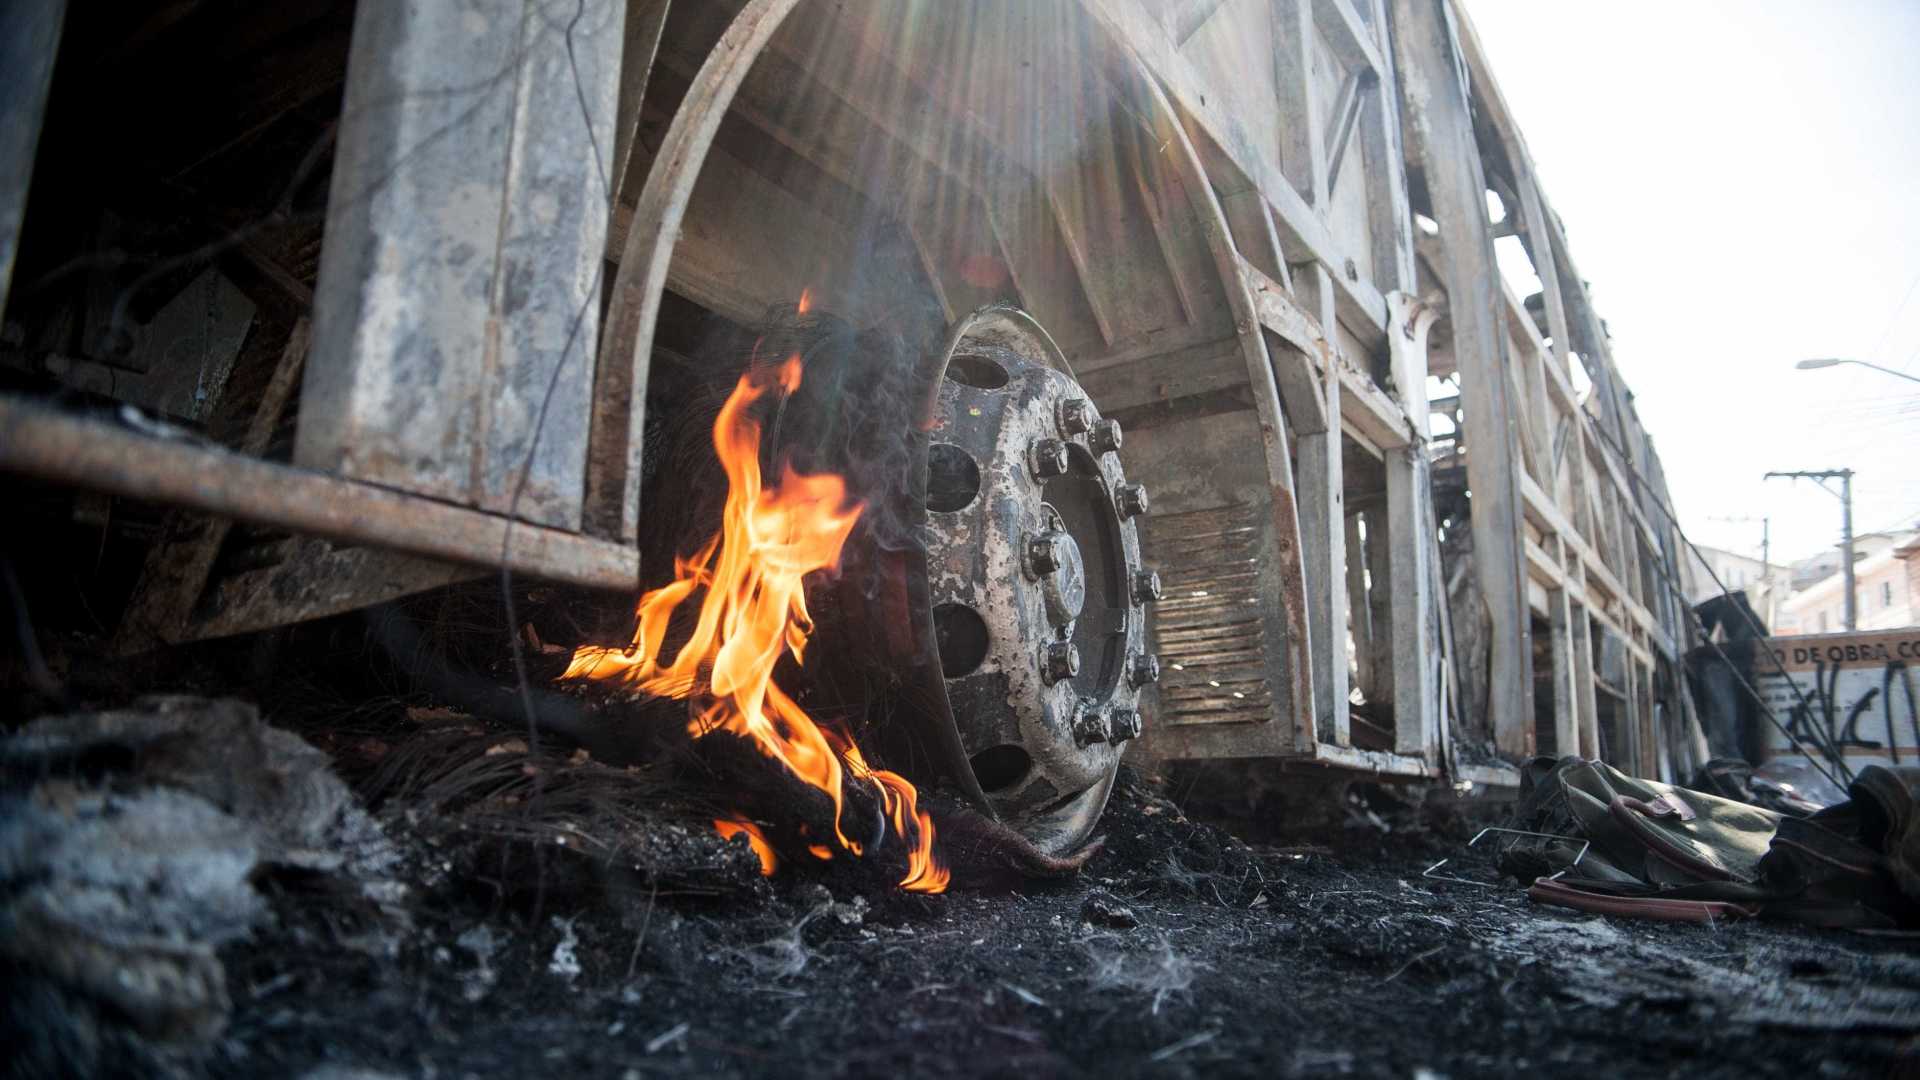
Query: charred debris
[192, 891]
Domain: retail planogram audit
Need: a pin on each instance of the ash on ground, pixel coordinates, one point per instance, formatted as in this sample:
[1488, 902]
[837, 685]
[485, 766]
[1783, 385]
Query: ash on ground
[189, 891]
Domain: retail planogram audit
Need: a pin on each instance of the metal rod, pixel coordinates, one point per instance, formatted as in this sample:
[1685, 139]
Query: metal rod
[1822, 740]
[1585, 845]
[65, 448]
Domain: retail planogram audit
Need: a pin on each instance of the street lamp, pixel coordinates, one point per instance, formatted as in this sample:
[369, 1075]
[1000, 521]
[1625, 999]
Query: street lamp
[1830, 361]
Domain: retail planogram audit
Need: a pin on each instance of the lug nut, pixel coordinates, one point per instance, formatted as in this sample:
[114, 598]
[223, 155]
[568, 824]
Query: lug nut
[1130, 500]
[1090, 725]
[1144, 669]
[1049, 458]
[1075, 416]
[1062, 661]
[1146, 586]
[1105, 437]
[1043, 554]
[1124, 725]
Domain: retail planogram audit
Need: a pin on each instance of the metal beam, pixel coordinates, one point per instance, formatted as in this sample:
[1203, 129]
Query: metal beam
[1411, 574]
[1440, 139]
[56, 446]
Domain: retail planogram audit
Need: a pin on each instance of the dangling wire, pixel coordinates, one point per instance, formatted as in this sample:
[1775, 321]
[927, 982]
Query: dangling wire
[1823, 740]
[591, 298]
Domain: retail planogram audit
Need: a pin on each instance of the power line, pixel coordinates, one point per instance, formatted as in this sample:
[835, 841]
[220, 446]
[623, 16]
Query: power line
[1824, 740]
[1894, 318]
[1901, 522]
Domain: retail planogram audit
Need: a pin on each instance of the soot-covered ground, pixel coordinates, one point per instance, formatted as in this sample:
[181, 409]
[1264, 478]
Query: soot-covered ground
[610, 934]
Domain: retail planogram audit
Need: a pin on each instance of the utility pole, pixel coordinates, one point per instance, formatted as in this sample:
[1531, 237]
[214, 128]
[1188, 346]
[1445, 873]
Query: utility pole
[1846, 543]
[1766, 568]
[1845, 476]
[1770, 595]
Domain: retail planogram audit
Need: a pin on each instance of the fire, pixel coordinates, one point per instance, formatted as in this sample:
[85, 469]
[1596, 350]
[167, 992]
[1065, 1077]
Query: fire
[756, 840]
[753, 610]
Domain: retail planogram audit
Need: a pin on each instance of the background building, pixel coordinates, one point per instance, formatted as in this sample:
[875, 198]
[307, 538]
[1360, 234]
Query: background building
[1767, 585]
[1886, 587]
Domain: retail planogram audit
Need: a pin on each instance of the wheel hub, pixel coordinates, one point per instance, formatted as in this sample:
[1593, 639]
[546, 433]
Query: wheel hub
[1034, 578]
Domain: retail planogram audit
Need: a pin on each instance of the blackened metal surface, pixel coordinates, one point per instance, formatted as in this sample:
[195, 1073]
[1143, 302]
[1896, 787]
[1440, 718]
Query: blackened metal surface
[29, 40]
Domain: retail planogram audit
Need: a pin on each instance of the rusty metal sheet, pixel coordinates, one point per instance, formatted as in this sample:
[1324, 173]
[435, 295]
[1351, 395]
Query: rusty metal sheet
[466, 223]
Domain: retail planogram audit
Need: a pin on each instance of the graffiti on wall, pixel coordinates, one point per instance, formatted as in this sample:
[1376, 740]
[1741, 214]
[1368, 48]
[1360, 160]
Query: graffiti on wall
[1854, 691]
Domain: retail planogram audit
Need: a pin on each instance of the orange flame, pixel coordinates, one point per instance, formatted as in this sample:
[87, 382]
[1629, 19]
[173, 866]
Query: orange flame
[754, 609]
[756, 840]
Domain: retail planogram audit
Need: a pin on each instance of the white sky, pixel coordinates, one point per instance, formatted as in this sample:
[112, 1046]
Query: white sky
[1740, 182]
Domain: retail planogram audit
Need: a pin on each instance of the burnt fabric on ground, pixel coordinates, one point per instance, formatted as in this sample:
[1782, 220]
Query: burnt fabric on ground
[1600, 840]
[132, 843]
[1732, 778]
